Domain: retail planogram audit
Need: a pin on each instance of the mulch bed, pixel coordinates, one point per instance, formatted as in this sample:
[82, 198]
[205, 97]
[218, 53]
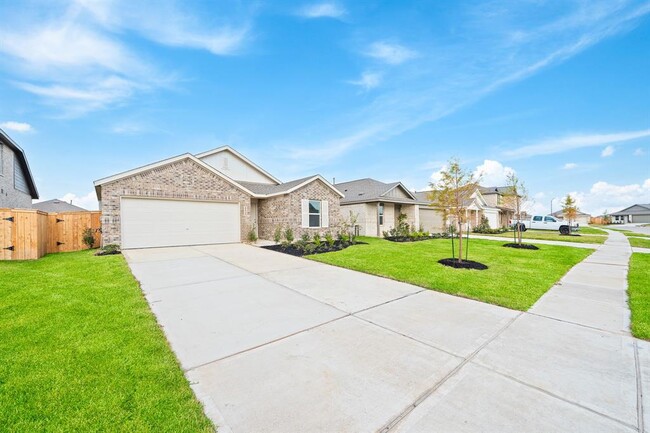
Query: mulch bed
[572, 234]
[522, 246]
[299, 251]
[465, 264]
[410, 239]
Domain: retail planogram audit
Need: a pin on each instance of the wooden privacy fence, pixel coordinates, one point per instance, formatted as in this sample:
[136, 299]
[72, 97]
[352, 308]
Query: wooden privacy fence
[30, 234]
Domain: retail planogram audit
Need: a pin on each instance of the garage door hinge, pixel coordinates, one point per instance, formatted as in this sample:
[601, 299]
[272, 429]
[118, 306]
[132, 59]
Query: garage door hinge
[10, 219]
[11, 248]
[59, 243]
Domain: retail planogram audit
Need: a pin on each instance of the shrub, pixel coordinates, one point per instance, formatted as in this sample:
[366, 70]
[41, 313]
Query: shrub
[88, 237]
[288, 235]
[483, 226]
[317, 240]
[403, 228]
[309, 248]
[109, 249]
[252, 235]
[305, 237]
[329, 239]
[277, 234]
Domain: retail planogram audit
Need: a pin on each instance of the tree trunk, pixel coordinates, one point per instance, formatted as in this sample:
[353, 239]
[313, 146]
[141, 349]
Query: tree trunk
[460, 241]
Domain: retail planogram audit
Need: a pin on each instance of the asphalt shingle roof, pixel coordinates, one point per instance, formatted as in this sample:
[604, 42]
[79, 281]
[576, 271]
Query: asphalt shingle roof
[367, 190]
[626, 211]
[268, 189]
[56, 205]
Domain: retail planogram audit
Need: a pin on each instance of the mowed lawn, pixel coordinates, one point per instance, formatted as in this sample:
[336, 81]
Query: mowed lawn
[638, 279]
[515, 278]
[549, 235]
[81, 351]
[639, 242]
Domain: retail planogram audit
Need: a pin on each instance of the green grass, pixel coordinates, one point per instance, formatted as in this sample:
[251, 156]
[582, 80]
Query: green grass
[81, 351]
[592, 231]
[627, 232]
[639, 243]
[638, 279]
[515, 278]
[549, 235]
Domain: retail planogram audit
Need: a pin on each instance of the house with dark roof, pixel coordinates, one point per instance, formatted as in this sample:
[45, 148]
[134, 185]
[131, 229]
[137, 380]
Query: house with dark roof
[56, 205]
[637, 213]
[581, 218]
[218, 196]
[432, 219]
[495, 197]
[17, 186]
[377, 205]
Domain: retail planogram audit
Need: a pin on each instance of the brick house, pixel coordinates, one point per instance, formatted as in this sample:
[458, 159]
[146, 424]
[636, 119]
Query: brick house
[219, 196]
[17, 186]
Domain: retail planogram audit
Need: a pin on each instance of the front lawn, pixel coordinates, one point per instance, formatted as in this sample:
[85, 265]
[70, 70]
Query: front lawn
[515, 278]
[549, 235]
[81, 351]
[638, 280]
[592, 231]
[639, 243]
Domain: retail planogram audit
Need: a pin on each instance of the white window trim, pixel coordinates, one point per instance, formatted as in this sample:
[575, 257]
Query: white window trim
[320, 214]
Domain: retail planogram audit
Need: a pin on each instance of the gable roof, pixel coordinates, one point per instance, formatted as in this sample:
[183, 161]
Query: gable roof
[264, 190]
[56, 205]
[240, 156]
[644, 210]
[560, 213]
[257, 190]
[475, 198]
[369, 190]
[486, 190]
[22, 161]
[98, 183]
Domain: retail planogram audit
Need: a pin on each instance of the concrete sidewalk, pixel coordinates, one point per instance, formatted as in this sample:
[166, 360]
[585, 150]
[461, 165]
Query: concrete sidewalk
[274, 343]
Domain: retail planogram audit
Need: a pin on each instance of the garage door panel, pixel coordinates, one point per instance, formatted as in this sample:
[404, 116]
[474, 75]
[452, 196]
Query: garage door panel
[160, 223]
[431, 220]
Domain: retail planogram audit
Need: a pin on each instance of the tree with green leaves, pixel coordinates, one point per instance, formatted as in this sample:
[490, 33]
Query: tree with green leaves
[569, 209]
[515, 196]
[453, 194]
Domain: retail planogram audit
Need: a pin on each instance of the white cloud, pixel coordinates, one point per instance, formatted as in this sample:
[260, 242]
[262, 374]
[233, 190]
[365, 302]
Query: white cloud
[368, 80]
[74, 55]
[322, 10]
[88, 201]
[607, 151]
[571, 142]
[16, 126]
[493, 173]
[436, 176]
[569, 166]
[639, 152]
[604, 196]
[390, 53]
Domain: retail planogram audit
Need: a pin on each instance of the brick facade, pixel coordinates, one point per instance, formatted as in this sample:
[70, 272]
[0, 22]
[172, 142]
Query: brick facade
[183, 179]
[286, 211]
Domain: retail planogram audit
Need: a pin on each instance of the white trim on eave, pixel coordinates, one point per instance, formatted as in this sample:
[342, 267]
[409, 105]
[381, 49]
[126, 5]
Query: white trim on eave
[400, 184]
[98, 183]
[242, 157]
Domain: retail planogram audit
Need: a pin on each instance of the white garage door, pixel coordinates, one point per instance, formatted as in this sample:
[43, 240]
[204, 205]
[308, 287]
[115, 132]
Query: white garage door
[493, 218]
[163, 223]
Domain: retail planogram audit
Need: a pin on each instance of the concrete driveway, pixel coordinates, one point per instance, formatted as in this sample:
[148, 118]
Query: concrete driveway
[274, 343]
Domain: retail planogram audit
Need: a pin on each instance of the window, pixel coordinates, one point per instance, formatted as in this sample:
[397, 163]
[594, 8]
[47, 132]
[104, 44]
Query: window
[537, 218]
[549, 219]
[314, 213]
[381, 214]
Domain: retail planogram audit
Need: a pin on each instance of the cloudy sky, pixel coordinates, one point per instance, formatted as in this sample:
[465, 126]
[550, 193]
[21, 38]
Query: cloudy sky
[557, 91]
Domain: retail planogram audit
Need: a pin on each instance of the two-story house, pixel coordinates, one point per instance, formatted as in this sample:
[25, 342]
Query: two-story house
[17, 187]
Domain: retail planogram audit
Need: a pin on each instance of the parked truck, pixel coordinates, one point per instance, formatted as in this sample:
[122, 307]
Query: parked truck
[544, 222]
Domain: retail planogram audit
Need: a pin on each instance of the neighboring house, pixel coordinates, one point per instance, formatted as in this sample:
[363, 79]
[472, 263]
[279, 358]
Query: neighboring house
[377, 205]
[638, 213]
[17, 187]
[495, 196]
[218, 196]
[581, 217]
[432, 219]
[57, 205]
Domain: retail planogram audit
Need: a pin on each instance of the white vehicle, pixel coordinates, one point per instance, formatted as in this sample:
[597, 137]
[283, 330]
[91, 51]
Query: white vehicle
[544, 222]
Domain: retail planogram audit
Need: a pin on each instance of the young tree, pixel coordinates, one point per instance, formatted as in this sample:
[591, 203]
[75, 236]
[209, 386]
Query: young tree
[515, 196]
[569, 209]
[453, 193]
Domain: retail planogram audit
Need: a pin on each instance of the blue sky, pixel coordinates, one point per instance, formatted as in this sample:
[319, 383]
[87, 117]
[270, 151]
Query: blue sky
[557, 91]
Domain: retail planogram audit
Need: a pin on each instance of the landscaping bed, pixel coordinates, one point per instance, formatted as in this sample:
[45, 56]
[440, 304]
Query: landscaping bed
[306, 249]
[465, 264]
[515, 278]
[80, 350]
[522, 246]
[417, 238]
